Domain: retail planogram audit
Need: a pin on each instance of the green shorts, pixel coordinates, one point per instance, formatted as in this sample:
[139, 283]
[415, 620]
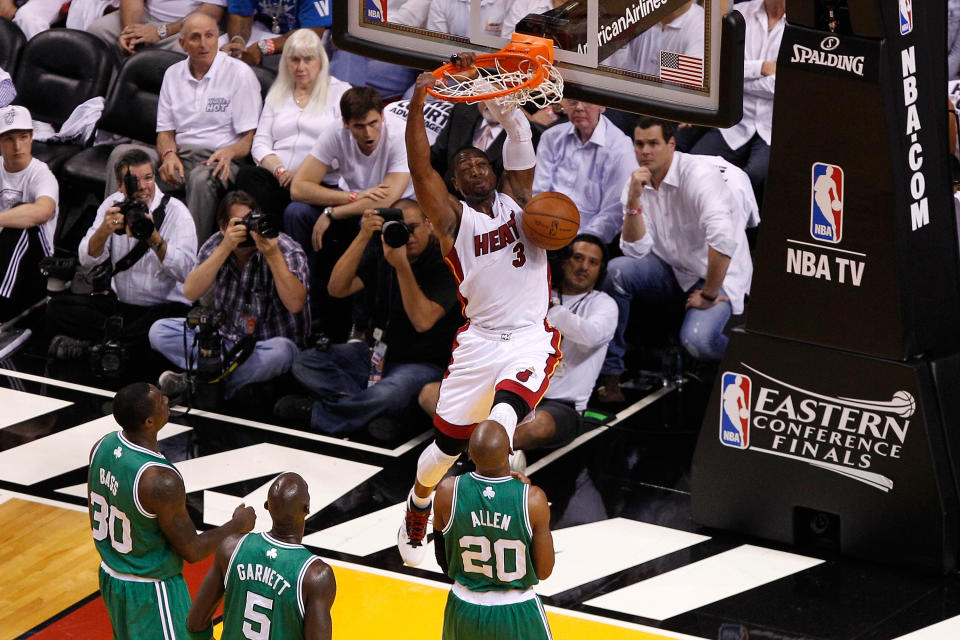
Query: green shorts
[146, 610]
[467, 621]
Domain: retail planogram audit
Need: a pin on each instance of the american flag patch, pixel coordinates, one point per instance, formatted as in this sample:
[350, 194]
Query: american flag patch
[676, 67]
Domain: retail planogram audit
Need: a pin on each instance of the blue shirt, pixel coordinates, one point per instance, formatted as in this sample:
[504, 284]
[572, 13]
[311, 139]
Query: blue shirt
[292, 14]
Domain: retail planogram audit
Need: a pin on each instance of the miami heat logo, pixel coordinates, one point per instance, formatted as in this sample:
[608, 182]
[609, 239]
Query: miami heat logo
[524, 375]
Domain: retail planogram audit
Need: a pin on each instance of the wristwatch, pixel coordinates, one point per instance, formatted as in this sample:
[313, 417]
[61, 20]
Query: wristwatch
[328, 211]
[162, 30]
[156, 246]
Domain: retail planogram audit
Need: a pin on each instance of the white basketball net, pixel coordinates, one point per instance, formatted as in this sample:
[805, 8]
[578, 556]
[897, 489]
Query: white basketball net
[492, 80]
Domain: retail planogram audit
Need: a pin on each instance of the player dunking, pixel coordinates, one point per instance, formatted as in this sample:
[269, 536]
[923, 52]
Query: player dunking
[506, 352]
[493, 538]
[273, 586]
[140, 523]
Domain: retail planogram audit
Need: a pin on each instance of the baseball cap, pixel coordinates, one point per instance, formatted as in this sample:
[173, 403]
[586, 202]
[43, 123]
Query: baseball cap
[15, 118]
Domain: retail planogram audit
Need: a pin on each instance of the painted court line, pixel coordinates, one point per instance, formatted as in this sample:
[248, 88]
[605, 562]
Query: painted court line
[623, 415]
[19, 406]
[704, 582]
[591, 551]
[557, 610]
[307, 435]
[61, 452]
[948, 629]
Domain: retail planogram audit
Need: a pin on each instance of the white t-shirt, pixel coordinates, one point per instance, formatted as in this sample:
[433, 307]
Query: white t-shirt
[453, 16]
[290, 132]
[435, 116]
[168, 11]
[337, 146]
[28, 185]
[587, 323]
[211, 112]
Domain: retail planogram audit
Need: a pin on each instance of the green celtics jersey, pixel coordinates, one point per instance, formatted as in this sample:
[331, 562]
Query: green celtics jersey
[488, 536]
[264, 598]
[126, 535]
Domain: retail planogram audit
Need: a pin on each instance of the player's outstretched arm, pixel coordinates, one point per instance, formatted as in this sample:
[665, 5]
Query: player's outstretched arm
[442, 209]
[442, 502]
[161, 492]
[211, 589]
[543, 554]
[519, 157]
[319, 590]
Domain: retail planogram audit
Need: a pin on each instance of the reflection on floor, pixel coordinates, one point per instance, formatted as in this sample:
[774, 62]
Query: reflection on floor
[630, 560]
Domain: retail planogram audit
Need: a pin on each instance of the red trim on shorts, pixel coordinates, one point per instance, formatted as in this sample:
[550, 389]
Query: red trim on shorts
[453, 262]
[533, 398]
[458, 431]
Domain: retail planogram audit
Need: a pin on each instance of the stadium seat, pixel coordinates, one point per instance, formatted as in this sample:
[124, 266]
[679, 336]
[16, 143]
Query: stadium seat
[266, 77]
[131, 111]
[12, 42]
[58, 70]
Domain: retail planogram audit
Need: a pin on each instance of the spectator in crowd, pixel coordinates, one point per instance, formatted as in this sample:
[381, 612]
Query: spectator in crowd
[36, 16]
[469, 125]
[747, 143]
[683, 242]
[453, 17]
[590, 160]
[208, 111]
[147, 282]
[29, 198]
[303, 101]
[141, 24]
[7, 91]
[261, 291]
[680, 32]
[415, 315]
[412, 13]
[259, 28]
[373, 168]
[389, 80]
[587, 319]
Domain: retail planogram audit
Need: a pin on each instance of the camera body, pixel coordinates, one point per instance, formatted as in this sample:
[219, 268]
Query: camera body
[109, 357]
[207, 323]
[395, 230]
[260, 223]
[136, 214]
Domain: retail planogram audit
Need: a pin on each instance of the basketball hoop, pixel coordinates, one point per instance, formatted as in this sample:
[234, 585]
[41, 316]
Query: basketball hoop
[521, 72]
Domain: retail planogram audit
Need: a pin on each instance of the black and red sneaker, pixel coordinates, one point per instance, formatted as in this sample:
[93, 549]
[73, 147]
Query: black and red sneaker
[411, 538]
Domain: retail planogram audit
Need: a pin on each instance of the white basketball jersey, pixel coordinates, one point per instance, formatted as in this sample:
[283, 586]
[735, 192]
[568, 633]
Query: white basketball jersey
[503, 277]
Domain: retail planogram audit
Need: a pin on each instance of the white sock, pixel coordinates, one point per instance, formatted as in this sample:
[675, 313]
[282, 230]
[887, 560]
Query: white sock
[504, 414]
[422, 503]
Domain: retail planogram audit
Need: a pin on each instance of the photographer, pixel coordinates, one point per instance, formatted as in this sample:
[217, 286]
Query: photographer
[415, 317]
[148, 289]
[257, 279]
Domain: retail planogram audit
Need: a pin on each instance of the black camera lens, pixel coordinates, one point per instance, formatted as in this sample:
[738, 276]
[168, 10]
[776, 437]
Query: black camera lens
[259, 223]
[395, 233]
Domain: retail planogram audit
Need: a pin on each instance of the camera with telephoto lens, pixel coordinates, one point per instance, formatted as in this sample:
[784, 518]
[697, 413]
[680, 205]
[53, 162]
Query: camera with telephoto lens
[136, 214]
[261, 223]
[207, 323]
[395, 230]
[109, 357]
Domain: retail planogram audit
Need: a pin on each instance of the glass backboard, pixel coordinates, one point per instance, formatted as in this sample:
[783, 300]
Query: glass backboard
[678, 59]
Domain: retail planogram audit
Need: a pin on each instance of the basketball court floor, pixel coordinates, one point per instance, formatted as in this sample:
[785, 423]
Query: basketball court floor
[631, 563]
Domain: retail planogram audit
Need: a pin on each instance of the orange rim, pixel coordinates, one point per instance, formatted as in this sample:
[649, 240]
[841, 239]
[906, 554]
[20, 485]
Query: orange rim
[522, 49]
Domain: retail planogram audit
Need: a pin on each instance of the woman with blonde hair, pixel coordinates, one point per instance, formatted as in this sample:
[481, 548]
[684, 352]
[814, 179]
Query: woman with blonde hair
[304, 100]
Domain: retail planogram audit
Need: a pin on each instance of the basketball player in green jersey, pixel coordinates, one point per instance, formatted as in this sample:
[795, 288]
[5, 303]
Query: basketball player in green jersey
[492, 536]
[141, 528]
[272, 586]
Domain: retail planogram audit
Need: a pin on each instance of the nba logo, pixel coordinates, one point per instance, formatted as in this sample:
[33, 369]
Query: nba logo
[906, 17]
[735, 411]
[826, 202]
[375, 11]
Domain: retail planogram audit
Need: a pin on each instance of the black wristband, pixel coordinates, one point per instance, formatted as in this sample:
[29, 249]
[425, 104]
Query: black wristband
[707, 298]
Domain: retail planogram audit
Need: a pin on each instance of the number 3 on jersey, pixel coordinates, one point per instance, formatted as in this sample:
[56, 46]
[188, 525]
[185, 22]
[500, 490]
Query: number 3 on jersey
[521, 259]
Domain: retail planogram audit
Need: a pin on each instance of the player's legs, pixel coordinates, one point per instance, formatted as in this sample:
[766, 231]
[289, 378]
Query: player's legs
[146, 610]
[467, 621]
[825, 204]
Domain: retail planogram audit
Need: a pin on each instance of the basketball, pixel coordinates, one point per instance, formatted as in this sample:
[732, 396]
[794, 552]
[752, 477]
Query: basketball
[550, 220]
[836, 205]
